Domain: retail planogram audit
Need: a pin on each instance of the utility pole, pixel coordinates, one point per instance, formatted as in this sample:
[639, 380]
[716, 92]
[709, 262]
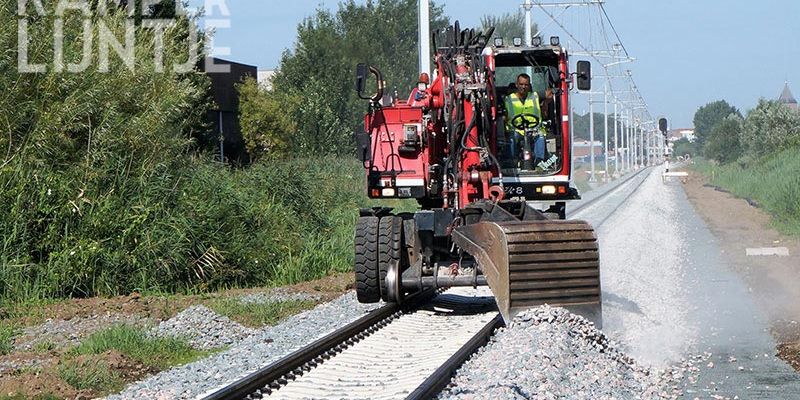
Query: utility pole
[592, 178]
[630, 140]
[605, 129]
[642, 135]
[616, 139]
[528, 23]
[424, 37]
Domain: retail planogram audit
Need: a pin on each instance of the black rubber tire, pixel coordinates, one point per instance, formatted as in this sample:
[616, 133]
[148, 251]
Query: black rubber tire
[366, 260]
[390, 245]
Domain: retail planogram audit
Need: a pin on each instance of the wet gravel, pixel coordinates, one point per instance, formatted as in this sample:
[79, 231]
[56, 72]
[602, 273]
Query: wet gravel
[549, 353]
[263, 347]
[203, 328]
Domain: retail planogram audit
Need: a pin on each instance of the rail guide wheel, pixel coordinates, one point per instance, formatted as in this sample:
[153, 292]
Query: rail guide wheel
[391, 258]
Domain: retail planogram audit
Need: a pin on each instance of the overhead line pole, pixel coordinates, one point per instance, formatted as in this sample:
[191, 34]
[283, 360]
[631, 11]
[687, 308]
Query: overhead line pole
[424, 37]
[605, 129]
[528, 23]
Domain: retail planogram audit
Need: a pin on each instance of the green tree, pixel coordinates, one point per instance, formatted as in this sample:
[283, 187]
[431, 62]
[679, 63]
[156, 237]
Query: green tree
[723, 144]
[319, 70]
[507, 26]
[266, 128]
[710, 115]
[770, 127]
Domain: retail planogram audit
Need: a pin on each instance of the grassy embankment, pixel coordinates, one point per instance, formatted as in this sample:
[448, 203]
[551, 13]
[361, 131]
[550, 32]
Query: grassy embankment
[774, 182]
[272, 224]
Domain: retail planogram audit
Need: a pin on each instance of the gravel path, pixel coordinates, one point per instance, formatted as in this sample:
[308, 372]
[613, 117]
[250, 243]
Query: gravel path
[549, 353]
[264, 346]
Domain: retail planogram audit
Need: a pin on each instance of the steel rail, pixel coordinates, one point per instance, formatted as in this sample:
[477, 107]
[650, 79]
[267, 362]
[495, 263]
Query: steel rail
[625, 200]
[444, 374]
[278, 373]
[608, 193]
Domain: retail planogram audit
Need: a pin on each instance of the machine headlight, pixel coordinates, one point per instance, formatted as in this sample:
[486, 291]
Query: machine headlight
[548, 189]
[498, 42]
[517, 41]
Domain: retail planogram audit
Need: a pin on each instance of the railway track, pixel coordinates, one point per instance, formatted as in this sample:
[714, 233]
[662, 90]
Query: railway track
[373, 357]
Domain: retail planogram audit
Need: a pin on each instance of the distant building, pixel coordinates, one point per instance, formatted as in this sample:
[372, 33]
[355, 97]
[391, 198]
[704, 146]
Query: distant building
[787, 98]
[681, 133]
[582, 148]
[225, 117]
[265, 78]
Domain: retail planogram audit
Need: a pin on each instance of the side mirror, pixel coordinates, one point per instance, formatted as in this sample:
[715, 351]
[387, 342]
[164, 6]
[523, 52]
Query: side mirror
[362, 70]
[662, 125]
[584, 75]
[361, 77]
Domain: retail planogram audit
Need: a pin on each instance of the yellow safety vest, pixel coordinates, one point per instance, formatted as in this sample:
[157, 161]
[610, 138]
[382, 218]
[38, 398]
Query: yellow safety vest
[515, 106]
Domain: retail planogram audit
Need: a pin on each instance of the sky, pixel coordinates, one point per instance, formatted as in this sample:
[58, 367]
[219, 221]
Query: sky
[688, 52]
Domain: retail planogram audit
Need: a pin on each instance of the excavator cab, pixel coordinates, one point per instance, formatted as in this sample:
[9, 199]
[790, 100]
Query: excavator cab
[531, 154]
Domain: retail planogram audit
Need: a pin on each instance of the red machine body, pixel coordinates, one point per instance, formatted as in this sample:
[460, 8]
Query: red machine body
[487, 216]
[407, 139]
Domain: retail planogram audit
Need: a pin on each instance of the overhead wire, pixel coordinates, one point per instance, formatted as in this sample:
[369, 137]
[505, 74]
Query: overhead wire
[603, 38]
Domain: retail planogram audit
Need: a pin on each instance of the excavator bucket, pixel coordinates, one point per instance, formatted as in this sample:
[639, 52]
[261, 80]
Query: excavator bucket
[530, 263]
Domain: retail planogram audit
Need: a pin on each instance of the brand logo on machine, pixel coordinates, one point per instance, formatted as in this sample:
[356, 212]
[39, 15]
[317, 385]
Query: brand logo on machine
[549, 162]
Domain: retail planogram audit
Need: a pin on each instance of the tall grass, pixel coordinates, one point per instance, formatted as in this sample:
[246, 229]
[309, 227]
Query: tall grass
[102, 191]
[274, 223]
[773, 181]
[155, 352]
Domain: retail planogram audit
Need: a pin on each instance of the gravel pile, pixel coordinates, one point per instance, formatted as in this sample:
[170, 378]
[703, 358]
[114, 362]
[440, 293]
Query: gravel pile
[549, 353]
[203, 328]
[60, 334]
[278, 295]
[263, 347]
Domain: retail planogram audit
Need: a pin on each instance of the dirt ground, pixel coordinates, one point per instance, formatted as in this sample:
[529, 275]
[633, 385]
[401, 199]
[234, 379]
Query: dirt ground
[37, 374]
[773, 280]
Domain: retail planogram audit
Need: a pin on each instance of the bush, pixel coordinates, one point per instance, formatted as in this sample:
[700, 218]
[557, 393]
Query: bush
[770, 128]
[723, 143]
[200, 228]
[267, 128]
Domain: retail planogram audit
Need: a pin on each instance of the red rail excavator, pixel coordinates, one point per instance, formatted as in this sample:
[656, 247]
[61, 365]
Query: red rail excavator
[492, 210]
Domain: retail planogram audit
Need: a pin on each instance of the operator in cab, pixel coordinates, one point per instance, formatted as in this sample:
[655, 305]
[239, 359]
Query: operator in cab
[524, 101]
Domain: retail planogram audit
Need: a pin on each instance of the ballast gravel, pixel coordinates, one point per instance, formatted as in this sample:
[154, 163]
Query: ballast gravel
[203, 328]
[266, 345]
[549, 353]
[277, 295]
